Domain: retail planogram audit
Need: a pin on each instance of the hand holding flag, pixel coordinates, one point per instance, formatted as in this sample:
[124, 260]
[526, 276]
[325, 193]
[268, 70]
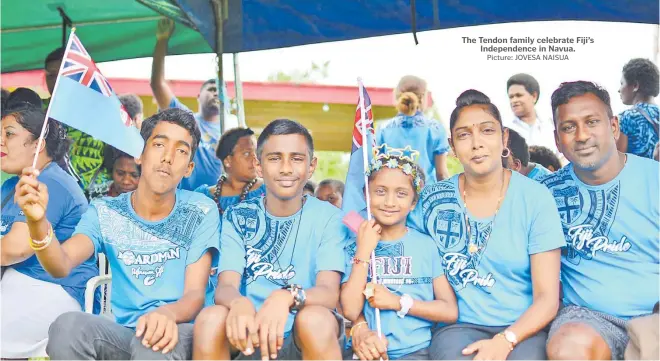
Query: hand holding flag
[356, 190]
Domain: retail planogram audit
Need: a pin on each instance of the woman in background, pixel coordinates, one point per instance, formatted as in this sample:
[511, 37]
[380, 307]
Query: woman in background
[411, 128]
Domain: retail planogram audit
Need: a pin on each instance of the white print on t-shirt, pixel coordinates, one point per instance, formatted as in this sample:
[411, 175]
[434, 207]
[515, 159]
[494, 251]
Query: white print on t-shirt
[266, 269]
[582, 238]
[457, 263]
[150, 274]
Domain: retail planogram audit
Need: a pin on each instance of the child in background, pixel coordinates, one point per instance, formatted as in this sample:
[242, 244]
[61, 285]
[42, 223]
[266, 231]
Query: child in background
[331, 191]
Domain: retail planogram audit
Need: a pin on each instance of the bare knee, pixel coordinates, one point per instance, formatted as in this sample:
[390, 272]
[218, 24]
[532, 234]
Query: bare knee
[577, 341]
[316, 323]
[210, 321]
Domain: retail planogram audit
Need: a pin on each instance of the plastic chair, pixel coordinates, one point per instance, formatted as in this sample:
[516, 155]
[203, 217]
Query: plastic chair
[103, 280]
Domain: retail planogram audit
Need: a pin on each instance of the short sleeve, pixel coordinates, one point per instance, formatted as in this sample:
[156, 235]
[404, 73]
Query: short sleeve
[89, 226]
[436, 260]
[206, 238]
[545, 233]
[176, 103]
[232, 247]
[331, 256]
[625, 123]
[349, 253]
[440, 141]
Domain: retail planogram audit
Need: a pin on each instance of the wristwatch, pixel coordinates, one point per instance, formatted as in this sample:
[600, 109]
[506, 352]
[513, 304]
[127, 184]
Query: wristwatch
[511, 337]
[299, 297]
[406, 303]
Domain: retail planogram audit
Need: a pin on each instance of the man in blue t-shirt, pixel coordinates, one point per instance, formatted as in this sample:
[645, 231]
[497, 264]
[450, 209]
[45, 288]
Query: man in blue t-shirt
[161, 243]
[281, 263]
[518, 158]
[608, 203]
[208, 168]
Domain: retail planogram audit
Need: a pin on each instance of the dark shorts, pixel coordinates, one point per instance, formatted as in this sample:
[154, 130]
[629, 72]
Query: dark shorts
[422, 354]
[611, 329]
[291, 351]
[448, 342]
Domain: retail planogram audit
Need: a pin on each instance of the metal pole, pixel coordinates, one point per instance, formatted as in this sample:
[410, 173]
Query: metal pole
[219, 21]
[238, 85]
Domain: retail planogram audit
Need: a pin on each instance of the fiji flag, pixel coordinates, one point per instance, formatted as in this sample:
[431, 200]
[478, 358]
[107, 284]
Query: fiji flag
[363, 143]
[83, 99]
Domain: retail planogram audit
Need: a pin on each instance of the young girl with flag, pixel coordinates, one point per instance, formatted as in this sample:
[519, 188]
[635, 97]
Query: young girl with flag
[413, 292]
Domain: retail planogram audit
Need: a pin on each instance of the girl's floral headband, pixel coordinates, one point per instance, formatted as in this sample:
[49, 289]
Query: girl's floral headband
[404, 159]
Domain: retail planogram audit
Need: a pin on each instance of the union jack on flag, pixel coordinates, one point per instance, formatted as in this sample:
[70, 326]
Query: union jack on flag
[368, 121]
[79, 66]
[363, 132]
[84, 100]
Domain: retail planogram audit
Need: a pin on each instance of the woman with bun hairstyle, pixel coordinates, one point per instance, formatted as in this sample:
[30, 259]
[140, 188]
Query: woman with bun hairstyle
[31, 298]
[499, 236]
[411, 128]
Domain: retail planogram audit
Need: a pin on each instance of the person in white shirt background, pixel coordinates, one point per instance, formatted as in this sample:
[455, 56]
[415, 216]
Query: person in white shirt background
[524, 90]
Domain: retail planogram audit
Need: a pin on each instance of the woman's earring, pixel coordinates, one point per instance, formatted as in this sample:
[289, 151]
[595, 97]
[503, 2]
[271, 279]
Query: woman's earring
[506, 153]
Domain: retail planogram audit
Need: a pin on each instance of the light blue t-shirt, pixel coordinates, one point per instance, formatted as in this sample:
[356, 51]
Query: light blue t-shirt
[208, 167]
[494, 285]
[641, 134]
[538, 172]
[424, 135]
[66, 204]
[225, 203]
[271, 252]
[149, 259]
[406, 266]
[610, 263]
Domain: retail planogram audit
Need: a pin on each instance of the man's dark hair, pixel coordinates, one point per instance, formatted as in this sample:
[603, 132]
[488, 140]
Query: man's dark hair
[643, 73]
[337, 185]
[284, 127]
[228, 141]
[132, 103]
[473, 97]
[208, 82]
[310, 186]
[182, 118]
[544, 156]
[569, 90]
[518, 147]
[55, 55]
[527, 81]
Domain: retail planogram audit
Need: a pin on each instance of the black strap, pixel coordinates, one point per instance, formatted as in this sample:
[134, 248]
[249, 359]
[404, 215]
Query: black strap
[646, 115]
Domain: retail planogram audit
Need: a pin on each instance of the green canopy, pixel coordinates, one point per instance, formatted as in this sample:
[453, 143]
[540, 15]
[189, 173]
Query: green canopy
[33, 28]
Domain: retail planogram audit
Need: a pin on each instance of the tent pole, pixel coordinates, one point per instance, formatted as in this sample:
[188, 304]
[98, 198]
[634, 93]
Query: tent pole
[238, 86]
[219, 22]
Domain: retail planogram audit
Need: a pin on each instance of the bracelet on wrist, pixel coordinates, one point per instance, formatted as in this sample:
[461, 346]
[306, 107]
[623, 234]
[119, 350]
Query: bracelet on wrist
[44, 243]
[356, 327]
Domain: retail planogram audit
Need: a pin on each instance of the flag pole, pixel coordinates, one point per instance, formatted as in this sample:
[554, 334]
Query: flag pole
[365, 159]
[52, 96]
